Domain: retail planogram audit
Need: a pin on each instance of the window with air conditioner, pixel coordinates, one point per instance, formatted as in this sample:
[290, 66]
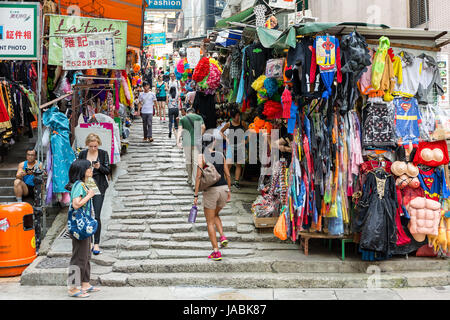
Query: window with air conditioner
[419, 12]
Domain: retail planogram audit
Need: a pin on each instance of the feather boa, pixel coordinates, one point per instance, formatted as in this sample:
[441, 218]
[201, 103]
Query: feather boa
[273, 110]
[258, 84]
[201, 70]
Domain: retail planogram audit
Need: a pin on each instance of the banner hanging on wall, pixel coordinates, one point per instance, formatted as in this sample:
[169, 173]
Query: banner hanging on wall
[151, 39]
[19, 31]
[93, 51]
[75, 26]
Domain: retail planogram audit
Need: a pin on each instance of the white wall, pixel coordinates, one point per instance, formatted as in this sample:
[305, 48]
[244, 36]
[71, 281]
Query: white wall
[393, 13]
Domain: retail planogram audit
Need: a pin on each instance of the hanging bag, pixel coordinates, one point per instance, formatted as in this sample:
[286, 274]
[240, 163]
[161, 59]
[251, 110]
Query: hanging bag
[280, 228]
[80, 223]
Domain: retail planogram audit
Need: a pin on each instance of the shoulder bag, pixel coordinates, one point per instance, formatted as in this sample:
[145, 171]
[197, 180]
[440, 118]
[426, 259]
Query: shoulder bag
[80, 223]
[209, 177]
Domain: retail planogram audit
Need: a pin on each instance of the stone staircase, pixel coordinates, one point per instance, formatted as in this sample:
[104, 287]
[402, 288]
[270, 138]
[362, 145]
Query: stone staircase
[8, 168]
[147, 240]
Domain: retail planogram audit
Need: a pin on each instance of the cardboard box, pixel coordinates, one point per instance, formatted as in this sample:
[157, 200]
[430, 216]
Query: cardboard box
[265, 222]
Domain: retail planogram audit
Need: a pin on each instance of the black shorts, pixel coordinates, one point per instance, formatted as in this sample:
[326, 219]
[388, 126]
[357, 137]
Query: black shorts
[160, 98]
[30, 191]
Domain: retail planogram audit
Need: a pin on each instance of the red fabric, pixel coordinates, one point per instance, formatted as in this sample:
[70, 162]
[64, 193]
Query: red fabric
[338, 63]
[312, 73]
[409, 194]
[273, 110]
[431, 145]
[391, 54]
[4, 116]
[373, 164]
[286, 98]
[402, 238]
[426, 251]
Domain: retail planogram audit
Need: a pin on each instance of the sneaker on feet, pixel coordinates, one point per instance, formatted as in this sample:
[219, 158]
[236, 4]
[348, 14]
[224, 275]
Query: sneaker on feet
[223, 242]
[237, 185]
[216, 256]
[170, 135]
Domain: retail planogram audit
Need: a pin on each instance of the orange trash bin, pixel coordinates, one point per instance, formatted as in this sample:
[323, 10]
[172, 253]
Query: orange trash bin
[17, 238]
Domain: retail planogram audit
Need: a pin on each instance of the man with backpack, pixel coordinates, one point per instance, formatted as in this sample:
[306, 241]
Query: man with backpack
[190, 129]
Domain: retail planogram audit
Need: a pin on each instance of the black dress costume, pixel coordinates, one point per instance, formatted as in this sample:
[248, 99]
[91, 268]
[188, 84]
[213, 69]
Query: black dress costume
[376, 210]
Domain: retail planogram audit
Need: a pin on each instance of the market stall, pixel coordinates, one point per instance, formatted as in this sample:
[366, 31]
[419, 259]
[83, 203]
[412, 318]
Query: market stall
[362, 154]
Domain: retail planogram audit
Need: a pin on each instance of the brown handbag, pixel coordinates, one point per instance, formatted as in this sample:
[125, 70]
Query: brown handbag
[209, 177]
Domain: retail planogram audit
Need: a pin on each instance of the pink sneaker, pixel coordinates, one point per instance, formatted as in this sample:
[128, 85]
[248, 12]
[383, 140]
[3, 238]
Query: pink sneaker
[216, 256]
[223, 242]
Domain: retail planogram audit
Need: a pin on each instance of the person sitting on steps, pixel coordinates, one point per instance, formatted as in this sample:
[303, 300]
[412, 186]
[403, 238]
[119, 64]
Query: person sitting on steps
[24, 183]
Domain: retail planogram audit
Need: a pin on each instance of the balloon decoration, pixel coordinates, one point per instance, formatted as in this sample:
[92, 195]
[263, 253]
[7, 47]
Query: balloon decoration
[182, 70]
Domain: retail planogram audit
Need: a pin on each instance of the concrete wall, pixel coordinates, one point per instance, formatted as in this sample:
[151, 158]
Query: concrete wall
[439, 17]
[394, 13]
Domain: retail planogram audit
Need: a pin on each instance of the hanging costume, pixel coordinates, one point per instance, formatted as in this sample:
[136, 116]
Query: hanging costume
[327, 55]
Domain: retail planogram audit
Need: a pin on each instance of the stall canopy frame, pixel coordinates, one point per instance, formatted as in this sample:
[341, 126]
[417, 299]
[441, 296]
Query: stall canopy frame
[131, 10]
[371, 32]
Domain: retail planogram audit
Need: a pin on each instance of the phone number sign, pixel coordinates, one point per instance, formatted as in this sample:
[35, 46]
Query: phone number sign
[93, 51]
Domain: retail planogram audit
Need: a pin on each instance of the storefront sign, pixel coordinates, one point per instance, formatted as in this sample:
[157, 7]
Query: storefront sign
[193, 56]
[283, 4]
[19, 31]
[151, 39]
[164, 4]
[93, 51]
[74, 25]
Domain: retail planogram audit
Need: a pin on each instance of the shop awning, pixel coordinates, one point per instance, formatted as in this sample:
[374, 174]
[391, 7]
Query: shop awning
[433, 39]
[228, 38]
[130, 10]
[238, 17]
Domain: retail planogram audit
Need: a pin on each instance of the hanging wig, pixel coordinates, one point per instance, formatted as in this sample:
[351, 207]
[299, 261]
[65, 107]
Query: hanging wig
[271, 85]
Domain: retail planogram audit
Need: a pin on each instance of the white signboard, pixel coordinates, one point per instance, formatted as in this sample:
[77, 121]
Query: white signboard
[442, 60]
[283, 4]
[193, 56]
[19, 31]
[89, 51]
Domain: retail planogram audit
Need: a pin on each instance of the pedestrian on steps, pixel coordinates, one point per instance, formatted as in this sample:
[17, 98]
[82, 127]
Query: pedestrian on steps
[80, 196]
[101, 169]
[216, 196]
[174, 101]
[146, 109]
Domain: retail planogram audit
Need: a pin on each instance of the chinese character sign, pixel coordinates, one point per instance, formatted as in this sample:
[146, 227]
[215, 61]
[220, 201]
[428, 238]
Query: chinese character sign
[19, 32]
[94, 51]
[75, 26]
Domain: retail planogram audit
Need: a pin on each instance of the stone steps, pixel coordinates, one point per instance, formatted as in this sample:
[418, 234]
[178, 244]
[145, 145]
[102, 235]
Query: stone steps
[272, 280]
